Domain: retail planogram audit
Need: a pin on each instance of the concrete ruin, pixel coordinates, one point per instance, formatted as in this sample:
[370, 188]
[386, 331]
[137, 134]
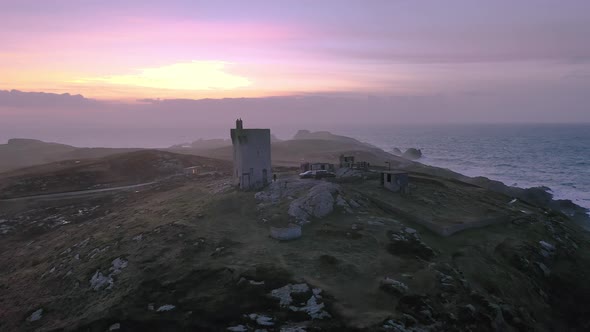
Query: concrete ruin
[251, 156]
[346, 161]
[395, 181]
[316, 167]
[349, 162]
[193, 170]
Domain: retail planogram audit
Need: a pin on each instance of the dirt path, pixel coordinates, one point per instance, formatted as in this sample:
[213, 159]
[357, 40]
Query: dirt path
[76, 193]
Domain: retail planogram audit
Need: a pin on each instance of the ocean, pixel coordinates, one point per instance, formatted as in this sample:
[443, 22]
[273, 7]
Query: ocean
[556, 156]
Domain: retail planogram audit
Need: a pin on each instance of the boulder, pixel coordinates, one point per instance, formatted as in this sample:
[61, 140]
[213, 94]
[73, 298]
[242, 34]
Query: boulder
[412, 154]
[290, 232]
[317, 203]
[36, 315]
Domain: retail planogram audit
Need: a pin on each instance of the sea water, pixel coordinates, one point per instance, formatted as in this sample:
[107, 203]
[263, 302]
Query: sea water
[556, 156]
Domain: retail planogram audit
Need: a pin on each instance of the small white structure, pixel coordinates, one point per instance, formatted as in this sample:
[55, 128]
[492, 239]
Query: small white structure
[290, 232]
[395, 181]
[252, 167]
[193, 170]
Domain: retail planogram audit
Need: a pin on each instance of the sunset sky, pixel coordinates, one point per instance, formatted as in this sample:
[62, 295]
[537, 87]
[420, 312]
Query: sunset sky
[476, 55]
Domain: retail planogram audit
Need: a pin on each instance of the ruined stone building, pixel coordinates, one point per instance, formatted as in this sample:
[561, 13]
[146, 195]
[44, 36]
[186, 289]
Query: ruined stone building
[252, 167]
[395, 181]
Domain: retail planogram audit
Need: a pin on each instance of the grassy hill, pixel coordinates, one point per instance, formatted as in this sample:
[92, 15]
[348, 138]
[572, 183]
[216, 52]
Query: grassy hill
[197, 256]
[21, 152]
[309, 146]
[113, 170]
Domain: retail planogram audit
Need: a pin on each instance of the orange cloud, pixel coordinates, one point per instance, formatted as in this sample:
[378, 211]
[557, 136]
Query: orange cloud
[194, 75]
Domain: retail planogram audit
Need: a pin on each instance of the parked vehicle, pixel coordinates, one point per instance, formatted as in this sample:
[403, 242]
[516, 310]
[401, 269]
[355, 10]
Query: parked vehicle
[307, 175]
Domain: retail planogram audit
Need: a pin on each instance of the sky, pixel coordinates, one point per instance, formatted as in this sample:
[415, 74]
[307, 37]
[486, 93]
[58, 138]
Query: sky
[369, 61]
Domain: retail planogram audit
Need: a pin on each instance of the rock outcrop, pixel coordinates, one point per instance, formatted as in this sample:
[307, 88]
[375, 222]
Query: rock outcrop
[317, 203]
[394, 286]
[412, 154]
[407, 241]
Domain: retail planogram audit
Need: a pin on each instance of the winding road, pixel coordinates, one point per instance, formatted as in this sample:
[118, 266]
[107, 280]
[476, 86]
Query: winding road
[76, 193]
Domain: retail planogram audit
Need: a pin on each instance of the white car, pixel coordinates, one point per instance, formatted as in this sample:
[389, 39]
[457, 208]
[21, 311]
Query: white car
[307, 175]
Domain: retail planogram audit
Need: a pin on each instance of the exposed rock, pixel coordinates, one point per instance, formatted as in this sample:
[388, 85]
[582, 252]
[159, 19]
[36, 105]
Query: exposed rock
[276, 191]
[394, 286]
[284, 293]
[291, 232]
[115, 327]
[118, 265]
[261, 319]
[97, 251]
[82, 244]
[547, 246]
[317, 203]
[166, 307]
[447, 282]
[100, 281]
[218, 251]
[408, 242]
[36, 315]
[314, 309]
[354, 204]
[412, 154]
[238, 328]
[395, 326]
[409, 230]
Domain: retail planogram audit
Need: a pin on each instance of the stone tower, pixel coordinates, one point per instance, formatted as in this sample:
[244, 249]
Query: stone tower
[252, 167]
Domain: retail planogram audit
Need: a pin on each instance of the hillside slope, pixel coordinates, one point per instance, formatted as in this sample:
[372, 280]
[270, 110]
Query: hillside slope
[114, 170]
[195, 255]
[21, 152]
[311, 147]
